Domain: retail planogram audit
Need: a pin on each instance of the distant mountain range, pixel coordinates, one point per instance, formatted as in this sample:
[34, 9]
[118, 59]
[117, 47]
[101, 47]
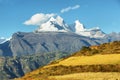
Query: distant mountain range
[58, 24]
[23, 43]
[55, 35]
[42, 42]
[52, 40]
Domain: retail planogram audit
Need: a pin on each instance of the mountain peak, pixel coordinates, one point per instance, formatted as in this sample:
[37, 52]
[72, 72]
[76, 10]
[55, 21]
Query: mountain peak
[56, 24]
[3, 40]
[52, 19]
[92, 32]
[58, 18]
[79, 26]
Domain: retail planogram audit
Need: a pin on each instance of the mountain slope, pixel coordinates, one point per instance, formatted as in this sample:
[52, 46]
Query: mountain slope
[77, 63]
[55, 35]
[13, 67]
[42, 42]
[2, 40]
[26, 44]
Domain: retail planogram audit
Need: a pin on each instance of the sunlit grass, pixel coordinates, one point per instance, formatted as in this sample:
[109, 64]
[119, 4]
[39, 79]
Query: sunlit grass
[75, 61]
[90, 60]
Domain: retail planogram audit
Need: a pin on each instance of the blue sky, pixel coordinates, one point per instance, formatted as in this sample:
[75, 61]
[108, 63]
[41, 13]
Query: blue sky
[92, 13]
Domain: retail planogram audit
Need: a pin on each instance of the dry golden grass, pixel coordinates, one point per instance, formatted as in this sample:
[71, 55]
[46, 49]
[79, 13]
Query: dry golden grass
[95, 63]
[40, 74]
[90, 60]
[88, 76]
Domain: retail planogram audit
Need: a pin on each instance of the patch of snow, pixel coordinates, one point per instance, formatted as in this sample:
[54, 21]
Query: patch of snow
[78, 26]
[3, 40]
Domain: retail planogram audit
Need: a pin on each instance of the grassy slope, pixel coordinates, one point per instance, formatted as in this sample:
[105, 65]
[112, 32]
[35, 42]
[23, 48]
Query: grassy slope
[57, 72]
[104, 58]
[90, 60]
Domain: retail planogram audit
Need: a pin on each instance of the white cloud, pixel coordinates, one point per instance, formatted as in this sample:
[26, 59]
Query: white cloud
[70, 8]
[38, 19]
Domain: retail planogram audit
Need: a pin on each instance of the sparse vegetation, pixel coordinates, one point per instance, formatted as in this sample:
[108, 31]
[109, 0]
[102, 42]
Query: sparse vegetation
[106, 48]
[91, 63]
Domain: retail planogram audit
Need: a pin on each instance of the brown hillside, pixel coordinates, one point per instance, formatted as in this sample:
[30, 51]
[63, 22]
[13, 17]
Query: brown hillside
[89, 59]
[106, 48]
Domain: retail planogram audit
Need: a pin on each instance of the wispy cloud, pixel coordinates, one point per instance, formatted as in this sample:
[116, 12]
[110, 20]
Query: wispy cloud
[69, 8]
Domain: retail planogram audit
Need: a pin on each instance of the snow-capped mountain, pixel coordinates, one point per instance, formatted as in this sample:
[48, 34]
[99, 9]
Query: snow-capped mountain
[54, 24]
[78, 27]
[93, 32]
[57, 24]
[2, 40]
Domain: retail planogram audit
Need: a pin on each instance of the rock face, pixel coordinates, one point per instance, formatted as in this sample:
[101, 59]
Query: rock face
[31, 43]
[13, 67]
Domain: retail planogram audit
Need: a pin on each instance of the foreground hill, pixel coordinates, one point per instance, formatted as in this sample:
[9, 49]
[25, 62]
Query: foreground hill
[103, 58]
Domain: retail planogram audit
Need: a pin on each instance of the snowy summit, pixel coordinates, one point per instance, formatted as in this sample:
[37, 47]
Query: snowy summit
[93, 32]
[57, 24]
[53, 24]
